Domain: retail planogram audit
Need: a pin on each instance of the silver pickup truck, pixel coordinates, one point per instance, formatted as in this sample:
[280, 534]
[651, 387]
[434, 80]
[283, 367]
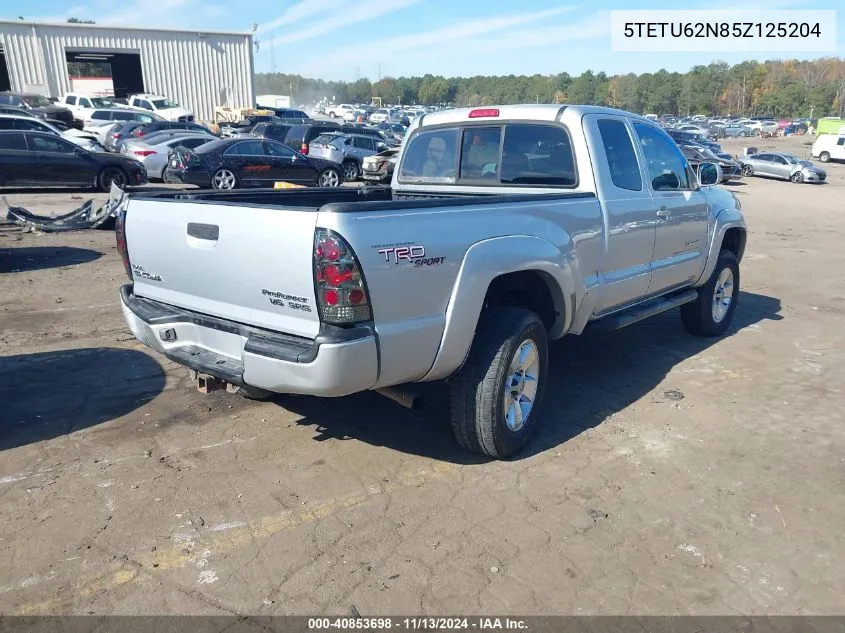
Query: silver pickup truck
[503, 228]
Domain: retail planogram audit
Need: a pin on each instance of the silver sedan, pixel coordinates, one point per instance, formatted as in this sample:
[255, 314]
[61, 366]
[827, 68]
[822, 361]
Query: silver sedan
[782, 165]
[154, 156]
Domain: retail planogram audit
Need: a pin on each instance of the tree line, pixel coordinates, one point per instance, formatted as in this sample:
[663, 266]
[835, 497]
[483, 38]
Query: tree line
[781, 88]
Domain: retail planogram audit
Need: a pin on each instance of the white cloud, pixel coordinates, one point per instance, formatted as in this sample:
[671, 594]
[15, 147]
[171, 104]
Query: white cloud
[320, 17]
[457, 42]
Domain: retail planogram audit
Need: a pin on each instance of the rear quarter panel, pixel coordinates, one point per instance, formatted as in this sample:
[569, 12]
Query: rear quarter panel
[412, 301]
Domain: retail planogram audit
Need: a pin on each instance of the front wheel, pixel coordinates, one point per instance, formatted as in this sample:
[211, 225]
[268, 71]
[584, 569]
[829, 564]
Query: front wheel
[747, 170]
[351, 171]
[824, 157]
[797, 177]
[112, 175]
[743, 134]
[224, 180]
[711, 313]
[495, 396]
[330, 177]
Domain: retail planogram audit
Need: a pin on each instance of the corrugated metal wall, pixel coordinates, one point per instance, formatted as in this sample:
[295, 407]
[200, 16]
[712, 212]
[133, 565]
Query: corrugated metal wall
[198, 71]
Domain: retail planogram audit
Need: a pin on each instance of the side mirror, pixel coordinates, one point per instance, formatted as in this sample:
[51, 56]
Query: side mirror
[666, 182]
[709, 174]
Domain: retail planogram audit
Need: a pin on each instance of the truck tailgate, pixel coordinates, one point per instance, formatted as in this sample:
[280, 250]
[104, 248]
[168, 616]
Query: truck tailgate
[248, 264]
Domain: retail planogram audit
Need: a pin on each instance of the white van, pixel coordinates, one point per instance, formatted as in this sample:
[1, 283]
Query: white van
[829, 147]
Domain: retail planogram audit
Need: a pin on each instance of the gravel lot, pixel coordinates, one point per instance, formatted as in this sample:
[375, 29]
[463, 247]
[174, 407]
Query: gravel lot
[673, 475]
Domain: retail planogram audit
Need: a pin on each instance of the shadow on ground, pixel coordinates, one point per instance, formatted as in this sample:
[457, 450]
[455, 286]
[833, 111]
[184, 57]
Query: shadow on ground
[49, 394]
[591, 377]
[29, 258]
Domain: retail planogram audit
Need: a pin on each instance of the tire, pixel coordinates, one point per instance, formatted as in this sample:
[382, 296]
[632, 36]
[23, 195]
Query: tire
[747, 170]
[111, 175]
[743, 134]
[797, 177]
[224, 180]
[254, 393]
[712, 312]
[479, 390]
[824, 157]
[330, 177]
[351, 171]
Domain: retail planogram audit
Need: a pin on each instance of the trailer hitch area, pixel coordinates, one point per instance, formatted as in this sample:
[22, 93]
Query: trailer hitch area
[207, 383]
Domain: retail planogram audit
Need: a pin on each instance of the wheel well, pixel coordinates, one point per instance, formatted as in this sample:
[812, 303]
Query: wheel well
[734, 241]
[526, 289]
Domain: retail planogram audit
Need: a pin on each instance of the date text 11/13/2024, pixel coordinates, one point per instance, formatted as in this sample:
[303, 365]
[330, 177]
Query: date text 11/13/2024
[417, 623]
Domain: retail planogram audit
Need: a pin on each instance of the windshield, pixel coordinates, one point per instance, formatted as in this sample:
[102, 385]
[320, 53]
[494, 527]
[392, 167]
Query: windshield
[36, 101]
[791, 159]
[102, 102]
[325, 139]
[164, 103]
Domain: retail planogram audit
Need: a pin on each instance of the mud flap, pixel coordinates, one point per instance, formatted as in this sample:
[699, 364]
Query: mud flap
[85, 217]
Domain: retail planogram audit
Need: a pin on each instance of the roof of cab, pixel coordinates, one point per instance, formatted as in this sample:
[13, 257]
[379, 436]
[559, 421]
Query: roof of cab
[525, 111]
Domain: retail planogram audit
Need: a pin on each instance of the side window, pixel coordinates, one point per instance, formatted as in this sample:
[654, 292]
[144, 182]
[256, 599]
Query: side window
[70, 100]
[780, 160]
[44, 143]
[767, 158]
[7, 124]
[85, 103]
[275, 132]
[246, 148]
[621, 157]
[6, 99]
[840, 140]
[190, 143]
[26, 124]
[537, 155]
[431, 156]
[12, 141]
[665, 164]
[99, 115]
[145, 104]
[480, 152]
[277, 149]
[364, 143]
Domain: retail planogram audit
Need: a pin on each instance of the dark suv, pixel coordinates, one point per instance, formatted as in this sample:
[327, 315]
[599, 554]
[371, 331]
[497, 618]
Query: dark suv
[300, 136]
[290, 115]
[40, 106]
[272, 130]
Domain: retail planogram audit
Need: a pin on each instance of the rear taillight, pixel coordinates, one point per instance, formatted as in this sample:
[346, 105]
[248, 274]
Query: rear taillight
[143, 152]
[303, 149]
[341, 290]
[120, 233]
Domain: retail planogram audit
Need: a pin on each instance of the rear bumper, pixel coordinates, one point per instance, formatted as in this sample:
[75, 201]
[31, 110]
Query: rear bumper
[336, 363]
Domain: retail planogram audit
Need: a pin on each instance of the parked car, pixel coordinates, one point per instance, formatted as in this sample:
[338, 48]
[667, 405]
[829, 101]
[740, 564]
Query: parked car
[781, 165]
[230, 128]
[240, 162]
[30, 158]
[157, 126]
[379, 167]
[300, 136]
[732, 130]
[447, 274]
[829, 147]
[154, 152]
[82, 105]
[679, 136]
[274, 131]
[115, 134]
[764, 126]
[162, 106]
[335, 111]
[347, 149]
[698, 154]
[107, 116]
[290, 115]
[77, 137]
[39, 106]
[355, 115]
[380, 115]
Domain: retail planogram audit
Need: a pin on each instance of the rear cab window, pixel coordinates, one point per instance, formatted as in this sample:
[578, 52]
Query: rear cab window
[513, 154]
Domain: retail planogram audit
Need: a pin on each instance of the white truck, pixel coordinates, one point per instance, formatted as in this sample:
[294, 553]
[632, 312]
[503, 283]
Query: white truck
[162, 106]
[273, 101]
[504, 228]
[83, 104]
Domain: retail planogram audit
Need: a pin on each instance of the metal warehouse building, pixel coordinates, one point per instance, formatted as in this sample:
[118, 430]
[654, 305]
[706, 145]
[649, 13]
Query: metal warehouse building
[199, 69]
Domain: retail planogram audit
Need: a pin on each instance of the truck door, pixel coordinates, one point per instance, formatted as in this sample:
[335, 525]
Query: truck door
[681, 208]
[628, 208]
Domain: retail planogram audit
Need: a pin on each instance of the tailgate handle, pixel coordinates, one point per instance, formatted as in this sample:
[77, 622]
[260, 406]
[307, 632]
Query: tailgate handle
[204, 231]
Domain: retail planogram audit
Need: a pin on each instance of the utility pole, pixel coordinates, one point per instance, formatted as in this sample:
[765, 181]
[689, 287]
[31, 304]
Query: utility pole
[379, 72]
[273, 53]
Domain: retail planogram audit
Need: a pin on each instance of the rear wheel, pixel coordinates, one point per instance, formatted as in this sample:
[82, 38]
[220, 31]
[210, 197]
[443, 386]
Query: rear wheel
[112, 175]
[330, 177]
[351, 171]
[824, 157]
[495, 396]
[224, 179]
[712, 312]
[743, 134]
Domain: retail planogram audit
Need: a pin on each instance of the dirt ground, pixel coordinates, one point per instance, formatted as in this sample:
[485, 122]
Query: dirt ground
[673, 475]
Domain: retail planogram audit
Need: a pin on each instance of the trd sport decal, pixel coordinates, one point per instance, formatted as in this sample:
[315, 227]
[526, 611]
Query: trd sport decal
[411, 253]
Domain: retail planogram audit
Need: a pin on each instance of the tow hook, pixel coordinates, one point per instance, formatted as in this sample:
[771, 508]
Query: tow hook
[207, 383]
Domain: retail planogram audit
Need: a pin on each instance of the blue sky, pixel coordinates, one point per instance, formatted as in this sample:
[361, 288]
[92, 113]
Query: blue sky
[413, 37]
